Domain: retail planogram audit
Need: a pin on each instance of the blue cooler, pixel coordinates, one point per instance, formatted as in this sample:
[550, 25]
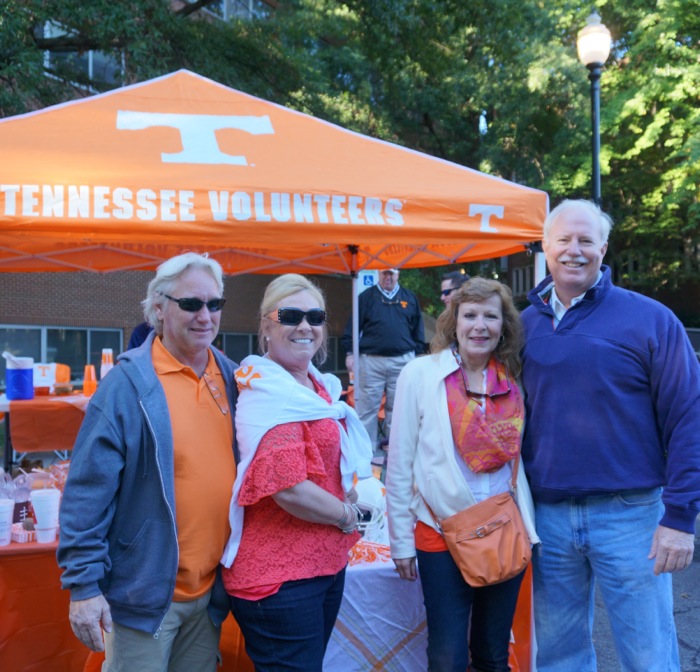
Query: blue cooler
[19, 378]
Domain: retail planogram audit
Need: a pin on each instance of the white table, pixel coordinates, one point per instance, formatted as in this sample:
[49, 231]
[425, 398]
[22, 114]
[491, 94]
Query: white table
[381, 624]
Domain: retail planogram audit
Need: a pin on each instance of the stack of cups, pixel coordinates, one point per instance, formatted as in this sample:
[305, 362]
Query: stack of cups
[45, 504]
[7, 509]
[107, 362]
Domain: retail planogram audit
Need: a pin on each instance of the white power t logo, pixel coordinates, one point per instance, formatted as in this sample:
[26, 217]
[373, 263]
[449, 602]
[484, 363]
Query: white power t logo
[486, 212]
[197, 132]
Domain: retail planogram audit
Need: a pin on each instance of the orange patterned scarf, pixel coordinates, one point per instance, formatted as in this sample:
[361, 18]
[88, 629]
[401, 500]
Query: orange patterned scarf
[486, 428]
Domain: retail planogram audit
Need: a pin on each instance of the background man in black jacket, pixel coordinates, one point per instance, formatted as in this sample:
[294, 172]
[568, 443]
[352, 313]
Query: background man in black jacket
[391, 334]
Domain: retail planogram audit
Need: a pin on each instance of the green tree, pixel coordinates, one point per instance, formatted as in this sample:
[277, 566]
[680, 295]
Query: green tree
[652, 141]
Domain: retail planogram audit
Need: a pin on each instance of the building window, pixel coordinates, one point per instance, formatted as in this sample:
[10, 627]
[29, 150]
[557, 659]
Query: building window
[66, 345]
[335, 363]
[93, 66]
[517, 282]
[228, 10]
[237, 346]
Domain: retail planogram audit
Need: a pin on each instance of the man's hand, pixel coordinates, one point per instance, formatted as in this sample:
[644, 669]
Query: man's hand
[88, 618]
[349, 361]
[673, 549]
[406, 567]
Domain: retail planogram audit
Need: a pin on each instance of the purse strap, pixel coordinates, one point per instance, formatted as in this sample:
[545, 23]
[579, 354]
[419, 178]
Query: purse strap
[513, 490]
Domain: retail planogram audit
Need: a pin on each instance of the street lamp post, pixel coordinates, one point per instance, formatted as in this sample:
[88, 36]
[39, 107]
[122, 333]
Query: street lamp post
[593, 44]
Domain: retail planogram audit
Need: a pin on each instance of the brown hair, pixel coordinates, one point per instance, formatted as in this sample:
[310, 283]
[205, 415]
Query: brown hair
[478, 290]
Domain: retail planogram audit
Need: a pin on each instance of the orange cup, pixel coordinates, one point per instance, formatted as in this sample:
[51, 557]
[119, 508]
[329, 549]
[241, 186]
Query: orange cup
[89, 380]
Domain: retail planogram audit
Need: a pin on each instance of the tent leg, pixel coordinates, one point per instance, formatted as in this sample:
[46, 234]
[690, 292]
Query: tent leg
[355, 334]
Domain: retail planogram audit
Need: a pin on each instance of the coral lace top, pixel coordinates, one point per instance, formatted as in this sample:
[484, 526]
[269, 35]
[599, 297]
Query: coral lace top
[276, 546]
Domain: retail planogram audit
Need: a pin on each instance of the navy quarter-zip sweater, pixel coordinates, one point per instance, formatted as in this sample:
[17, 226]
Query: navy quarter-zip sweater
[612, 400]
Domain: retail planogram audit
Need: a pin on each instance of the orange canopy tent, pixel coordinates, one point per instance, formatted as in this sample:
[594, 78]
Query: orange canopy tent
[126, 179]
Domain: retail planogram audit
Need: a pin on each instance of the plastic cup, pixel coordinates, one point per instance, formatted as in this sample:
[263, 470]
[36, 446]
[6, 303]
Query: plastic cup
[89, 380]
[19, 378]
[45, 504]
[107, 362]
[7, 510]
[45, 535]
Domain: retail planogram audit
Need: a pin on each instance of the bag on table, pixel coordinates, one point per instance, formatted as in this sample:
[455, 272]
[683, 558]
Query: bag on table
[488, 541]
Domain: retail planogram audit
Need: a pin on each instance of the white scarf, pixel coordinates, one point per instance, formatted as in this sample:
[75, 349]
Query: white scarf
[270, 396]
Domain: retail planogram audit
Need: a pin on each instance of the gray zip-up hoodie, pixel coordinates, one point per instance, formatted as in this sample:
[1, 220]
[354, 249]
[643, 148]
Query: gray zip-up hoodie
[118, 534]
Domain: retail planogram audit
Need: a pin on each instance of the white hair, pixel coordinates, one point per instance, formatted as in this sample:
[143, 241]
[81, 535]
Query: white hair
[168, 274]
[588, 207]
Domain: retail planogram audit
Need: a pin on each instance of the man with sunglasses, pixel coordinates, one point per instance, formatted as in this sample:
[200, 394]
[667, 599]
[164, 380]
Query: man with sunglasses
[391, 335]
[144, 517]
[450, 282]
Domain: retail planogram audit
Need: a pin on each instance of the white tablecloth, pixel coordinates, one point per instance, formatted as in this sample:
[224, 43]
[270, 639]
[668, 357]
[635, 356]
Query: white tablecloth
[381, 624]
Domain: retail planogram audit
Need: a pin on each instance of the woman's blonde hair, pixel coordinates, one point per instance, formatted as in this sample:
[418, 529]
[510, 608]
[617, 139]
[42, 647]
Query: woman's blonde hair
[282, 287]
[478, 290]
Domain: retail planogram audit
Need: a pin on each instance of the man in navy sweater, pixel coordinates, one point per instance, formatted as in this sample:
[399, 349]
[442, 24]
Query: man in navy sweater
[612, 451]
[391, 334]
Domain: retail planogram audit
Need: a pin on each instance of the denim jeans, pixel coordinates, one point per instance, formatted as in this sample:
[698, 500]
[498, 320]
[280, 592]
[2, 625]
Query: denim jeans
[605, 539]
[290, 629]
[450, 602]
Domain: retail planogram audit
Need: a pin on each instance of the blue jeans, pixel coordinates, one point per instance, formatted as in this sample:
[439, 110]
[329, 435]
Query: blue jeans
[450, 602]
[290, 629]
[605, 539]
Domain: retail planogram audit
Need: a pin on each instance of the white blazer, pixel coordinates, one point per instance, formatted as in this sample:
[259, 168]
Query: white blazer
[422, 460]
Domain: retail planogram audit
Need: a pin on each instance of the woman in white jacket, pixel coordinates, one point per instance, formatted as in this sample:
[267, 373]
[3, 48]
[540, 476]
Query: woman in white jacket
[458, 420]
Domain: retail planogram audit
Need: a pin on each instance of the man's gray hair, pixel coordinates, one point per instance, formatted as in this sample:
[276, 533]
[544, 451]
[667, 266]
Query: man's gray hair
[591, 210]
[168, 273]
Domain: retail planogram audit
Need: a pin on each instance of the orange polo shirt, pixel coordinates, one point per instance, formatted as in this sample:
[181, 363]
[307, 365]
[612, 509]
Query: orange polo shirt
[204, 468]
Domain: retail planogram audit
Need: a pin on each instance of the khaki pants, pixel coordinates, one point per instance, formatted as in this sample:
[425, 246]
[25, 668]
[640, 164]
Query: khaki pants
[378, 377]
[188, 641]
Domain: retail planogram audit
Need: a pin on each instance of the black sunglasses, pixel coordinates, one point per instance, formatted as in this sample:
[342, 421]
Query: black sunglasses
[447, 292]
[192, 305]
[291, 317]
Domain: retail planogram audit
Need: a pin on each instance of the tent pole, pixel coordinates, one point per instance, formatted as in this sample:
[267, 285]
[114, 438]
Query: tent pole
[355, 323]
[540, 268]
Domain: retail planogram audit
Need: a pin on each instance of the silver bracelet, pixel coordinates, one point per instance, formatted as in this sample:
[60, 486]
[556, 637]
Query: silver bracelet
[350, 519]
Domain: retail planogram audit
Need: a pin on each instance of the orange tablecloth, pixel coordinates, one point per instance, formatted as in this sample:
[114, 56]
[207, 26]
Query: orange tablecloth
[45, 423]
[35, 635]
[521, 650]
